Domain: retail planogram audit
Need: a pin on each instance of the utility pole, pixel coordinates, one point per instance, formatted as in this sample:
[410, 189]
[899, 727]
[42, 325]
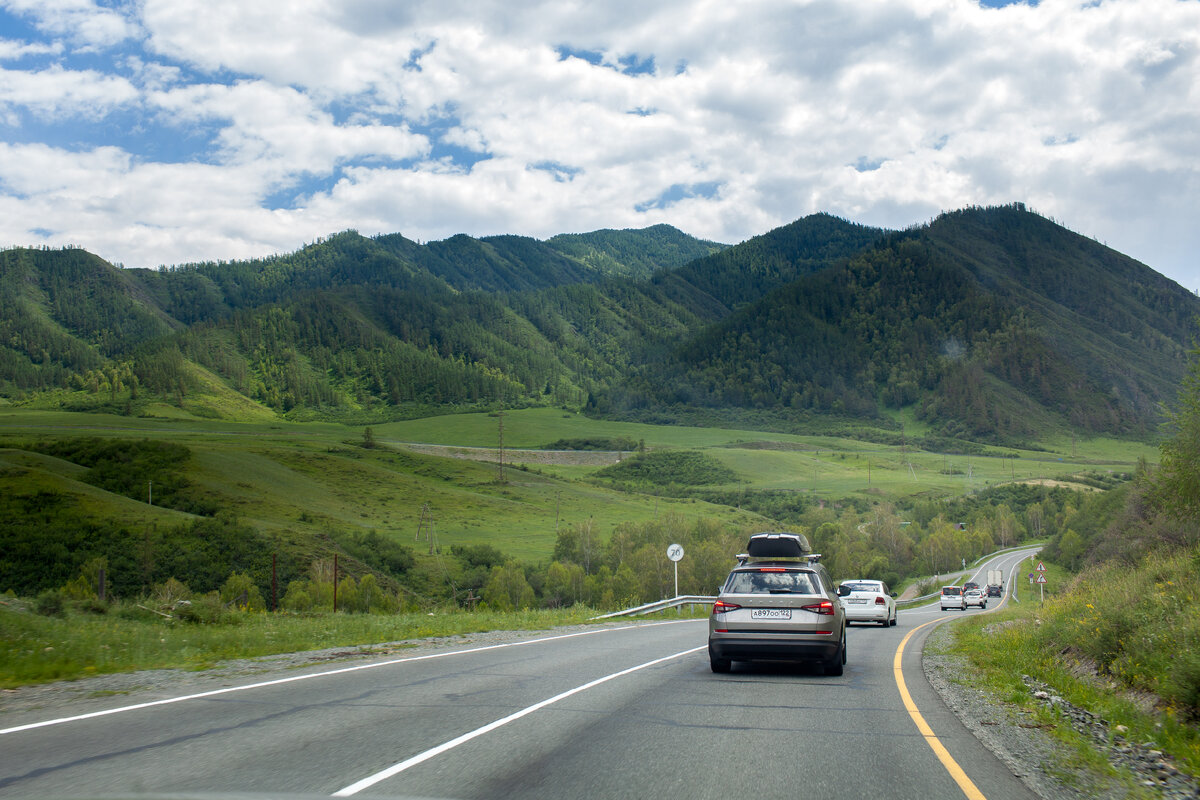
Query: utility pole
[500, 417]
[426, 519]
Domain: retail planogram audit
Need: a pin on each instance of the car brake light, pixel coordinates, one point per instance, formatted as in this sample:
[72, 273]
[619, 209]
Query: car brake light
[772, 569]
[720, 607]
[879, 601]
[823, 607]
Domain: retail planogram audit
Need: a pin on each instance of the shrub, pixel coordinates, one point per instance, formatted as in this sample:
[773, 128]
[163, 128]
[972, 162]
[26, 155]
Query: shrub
[240, 592]
[92, 605]
[50, 603]
[204, 610]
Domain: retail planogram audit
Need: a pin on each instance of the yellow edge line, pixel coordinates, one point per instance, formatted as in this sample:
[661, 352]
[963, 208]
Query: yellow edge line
[956, 772]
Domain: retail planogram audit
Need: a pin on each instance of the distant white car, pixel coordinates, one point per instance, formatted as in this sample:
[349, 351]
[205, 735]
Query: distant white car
[952, 597]
[974, 597]
[869, 601]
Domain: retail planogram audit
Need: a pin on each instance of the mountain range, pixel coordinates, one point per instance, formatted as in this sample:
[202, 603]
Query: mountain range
[987, 324]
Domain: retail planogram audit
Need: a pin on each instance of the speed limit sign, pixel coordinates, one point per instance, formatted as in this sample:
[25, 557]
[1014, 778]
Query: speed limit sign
[675, 552]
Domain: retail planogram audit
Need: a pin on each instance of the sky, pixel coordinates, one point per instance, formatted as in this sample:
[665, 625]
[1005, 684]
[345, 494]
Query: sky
[161, 132]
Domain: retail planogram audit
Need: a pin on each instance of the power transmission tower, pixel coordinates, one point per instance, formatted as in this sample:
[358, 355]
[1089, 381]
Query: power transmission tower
[426, 518]
[500, 423]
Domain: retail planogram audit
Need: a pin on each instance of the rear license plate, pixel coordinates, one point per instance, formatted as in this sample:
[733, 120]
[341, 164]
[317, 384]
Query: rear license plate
[857, 600]
[771, 613]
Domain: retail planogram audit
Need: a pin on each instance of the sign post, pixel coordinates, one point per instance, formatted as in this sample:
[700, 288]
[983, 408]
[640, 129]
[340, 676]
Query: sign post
[675, 552]
[1041, 581]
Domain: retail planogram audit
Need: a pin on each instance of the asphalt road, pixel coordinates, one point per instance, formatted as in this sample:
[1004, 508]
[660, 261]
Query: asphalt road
[626, 712]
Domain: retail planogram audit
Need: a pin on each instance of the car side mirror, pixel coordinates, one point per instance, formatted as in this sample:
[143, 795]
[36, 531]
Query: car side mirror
[893, 594]
[843, 591]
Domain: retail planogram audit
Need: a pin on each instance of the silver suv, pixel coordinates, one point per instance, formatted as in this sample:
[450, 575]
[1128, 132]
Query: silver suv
[778, 604]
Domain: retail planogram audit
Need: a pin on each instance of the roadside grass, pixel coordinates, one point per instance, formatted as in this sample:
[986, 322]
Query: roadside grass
[1120, 641]
[39, 649]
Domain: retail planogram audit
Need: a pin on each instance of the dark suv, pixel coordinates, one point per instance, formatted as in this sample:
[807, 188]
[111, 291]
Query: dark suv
[778, 604]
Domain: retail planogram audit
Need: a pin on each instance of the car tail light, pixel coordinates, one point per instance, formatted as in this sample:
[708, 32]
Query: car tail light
[823, 607]
[720, 607]
[879, 601]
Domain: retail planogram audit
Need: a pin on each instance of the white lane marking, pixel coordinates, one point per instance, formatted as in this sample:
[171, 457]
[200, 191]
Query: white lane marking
[396, 769]
[294, 678]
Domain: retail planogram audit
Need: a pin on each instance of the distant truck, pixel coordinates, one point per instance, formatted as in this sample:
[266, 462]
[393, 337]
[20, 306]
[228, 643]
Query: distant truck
[995, 583]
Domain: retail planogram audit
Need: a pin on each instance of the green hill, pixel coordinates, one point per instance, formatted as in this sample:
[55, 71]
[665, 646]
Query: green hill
[989, 324]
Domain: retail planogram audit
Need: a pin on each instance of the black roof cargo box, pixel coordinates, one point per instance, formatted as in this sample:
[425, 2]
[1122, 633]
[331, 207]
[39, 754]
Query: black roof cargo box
[778, 545]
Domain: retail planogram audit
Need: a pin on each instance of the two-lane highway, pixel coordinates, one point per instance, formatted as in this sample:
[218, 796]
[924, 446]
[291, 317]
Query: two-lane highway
[617, 712]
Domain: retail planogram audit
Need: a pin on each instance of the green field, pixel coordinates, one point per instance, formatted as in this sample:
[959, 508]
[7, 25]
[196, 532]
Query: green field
[302, 479]
[828, 467]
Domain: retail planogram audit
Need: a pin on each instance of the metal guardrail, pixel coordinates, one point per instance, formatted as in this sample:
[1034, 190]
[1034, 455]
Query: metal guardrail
[913, 600]
[660, 605]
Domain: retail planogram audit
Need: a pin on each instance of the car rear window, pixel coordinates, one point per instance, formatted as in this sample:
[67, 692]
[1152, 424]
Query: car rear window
[770, 582]
[951, 590]
[863, 587]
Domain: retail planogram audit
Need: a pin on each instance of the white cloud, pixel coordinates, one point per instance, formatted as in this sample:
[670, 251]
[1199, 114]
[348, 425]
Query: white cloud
[82, 22]
[884, 112]
[280, 130]
[57, 92]
[11, 50]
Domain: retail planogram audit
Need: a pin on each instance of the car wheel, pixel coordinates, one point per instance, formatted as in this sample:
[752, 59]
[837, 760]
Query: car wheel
[720, 664]
[894, 617]
[836, 665]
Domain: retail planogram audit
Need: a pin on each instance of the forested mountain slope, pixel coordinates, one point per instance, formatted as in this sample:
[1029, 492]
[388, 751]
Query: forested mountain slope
[992, 324]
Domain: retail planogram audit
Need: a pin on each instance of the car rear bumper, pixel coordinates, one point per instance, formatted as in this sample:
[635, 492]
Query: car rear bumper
[870, 613]
[735, 648]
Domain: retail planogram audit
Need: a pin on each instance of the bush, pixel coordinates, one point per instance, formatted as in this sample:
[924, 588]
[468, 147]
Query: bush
[50, 603]
[205, 610]
[665, 467]
[92, 605]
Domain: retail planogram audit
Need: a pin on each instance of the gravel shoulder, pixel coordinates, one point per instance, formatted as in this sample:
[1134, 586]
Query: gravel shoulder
[1051, 768]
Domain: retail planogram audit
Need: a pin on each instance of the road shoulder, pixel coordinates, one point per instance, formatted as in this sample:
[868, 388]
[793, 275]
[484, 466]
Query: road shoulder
[1033, 755]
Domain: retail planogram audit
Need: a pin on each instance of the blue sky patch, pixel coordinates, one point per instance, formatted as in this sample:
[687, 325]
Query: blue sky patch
[562, 173]
[630, 64]
[677, 192]
[864, 164]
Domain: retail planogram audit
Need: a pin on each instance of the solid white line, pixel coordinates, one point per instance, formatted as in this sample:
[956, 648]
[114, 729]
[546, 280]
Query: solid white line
[396, 769]
[340, 671]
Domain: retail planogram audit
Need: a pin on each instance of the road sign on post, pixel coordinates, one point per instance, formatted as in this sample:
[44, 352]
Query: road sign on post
[675, 552]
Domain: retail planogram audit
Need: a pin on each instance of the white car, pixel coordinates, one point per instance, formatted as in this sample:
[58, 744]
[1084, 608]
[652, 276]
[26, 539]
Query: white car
[974, 597]
[869, 601]
[952, 597]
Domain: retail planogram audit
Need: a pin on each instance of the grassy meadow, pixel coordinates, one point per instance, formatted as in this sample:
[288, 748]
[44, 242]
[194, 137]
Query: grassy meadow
[298, 480]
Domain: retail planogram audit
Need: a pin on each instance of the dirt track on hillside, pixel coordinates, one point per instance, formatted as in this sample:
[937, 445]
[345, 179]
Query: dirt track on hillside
[576, 458]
